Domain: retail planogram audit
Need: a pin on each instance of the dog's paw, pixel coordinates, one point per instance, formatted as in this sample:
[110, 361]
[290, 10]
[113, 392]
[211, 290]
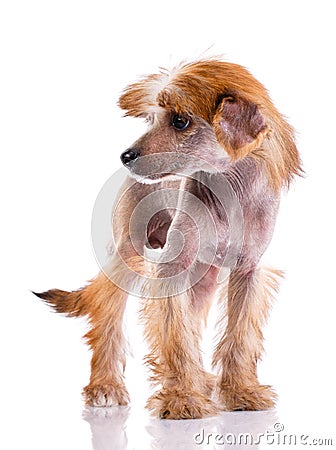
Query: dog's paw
[176, 404]
[251, 398]
[105, 395]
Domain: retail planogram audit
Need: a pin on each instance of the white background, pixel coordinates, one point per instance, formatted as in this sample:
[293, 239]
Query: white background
[63, 66]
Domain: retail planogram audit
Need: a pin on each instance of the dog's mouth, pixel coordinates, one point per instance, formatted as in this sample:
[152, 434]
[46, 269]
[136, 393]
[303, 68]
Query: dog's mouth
[164, 175]
[156, 178]
[156, 167]
[166, 166]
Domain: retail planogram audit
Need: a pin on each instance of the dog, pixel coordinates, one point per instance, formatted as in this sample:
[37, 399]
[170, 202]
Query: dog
[202, 193]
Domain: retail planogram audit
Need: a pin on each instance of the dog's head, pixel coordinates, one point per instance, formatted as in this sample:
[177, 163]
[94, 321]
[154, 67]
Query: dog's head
[207, 115]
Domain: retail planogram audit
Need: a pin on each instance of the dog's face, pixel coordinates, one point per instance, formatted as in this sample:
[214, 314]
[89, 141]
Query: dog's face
[205, 116]
[175, 144]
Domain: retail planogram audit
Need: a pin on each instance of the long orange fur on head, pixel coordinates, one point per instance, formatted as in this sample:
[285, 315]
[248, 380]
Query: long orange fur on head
[196, 88]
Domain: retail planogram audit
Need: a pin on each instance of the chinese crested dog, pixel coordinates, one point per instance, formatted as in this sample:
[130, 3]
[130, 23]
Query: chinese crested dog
[203, 189]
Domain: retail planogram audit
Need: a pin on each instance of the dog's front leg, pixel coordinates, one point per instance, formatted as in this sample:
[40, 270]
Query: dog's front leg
[172, 326]
[250, 292]
[173, 332]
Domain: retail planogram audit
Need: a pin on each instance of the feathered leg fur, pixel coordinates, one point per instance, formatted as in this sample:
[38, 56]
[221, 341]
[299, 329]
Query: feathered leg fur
[173, 329]
[104, 304]
[249, 298]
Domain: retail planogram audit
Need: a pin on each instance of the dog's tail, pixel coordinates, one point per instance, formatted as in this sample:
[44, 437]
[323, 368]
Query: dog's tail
[82, 301]
[72, 304]
[97, 294]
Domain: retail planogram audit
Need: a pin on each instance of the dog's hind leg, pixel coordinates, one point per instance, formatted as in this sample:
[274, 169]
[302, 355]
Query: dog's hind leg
[249, 297]
[124, 271]
[103, 302]
[106, 337]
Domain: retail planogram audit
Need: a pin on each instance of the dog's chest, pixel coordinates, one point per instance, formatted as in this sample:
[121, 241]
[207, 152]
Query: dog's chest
[206, 223]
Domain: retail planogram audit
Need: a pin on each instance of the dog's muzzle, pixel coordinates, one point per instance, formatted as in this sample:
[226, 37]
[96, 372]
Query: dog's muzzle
[129, 156]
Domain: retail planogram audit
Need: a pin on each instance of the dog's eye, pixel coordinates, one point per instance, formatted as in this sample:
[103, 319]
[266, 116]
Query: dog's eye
[180, 122]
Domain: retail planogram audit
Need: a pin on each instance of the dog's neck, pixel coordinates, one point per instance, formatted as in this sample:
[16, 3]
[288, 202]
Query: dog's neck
[243, 178]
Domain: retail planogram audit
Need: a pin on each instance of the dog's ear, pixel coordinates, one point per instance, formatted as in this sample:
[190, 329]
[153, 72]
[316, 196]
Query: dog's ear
[239, 125]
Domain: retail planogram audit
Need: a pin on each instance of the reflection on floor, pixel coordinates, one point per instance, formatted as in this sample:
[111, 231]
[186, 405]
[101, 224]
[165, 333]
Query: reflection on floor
[235, 430]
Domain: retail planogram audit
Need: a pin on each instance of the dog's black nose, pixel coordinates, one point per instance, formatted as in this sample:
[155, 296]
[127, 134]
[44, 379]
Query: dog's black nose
[129, 155]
